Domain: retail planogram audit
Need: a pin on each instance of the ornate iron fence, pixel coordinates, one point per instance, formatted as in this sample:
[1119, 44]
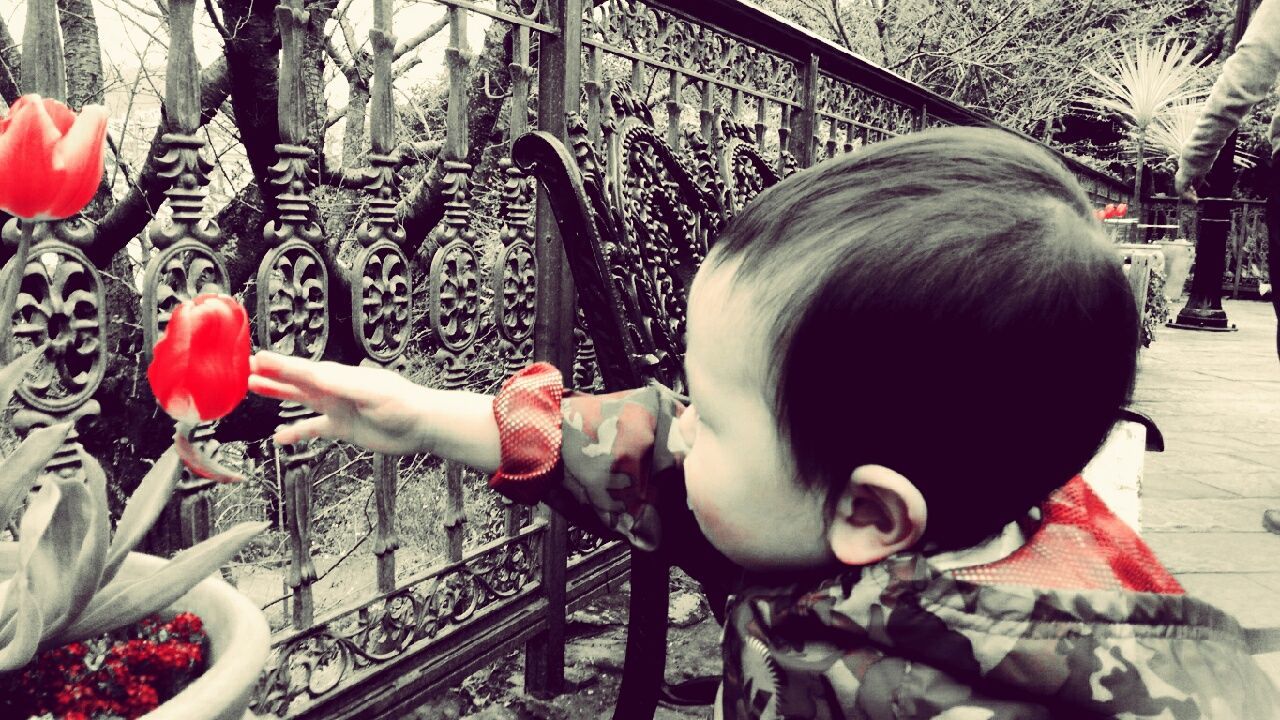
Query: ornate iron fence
[726, 85]
[1246, 258]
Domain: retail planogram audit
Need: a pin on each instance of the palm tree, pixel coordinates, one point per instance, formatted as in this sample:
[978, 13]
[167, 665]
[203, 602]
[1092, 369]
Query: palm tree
[1172, 129]
[1141, 82]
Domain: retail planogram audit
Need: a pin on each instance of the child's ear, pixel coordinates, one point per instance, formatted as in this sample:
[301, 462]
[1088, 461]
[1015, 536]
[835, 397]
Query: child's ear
[878, 513]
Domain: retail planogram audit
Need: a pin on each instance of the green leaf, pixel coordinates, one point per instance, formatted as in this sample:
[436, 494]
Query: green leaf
[35, 521]
[90, 562]
[141, 511]
[19, 471]
[8, 611]
[11, 375]
[127, 601]
[1144, 79]
[52, 561]
[19, 650]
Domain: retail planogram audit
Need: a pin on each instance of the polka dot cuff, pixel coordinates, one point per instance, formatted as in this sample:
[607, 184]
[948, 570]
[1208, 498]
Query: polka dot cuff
[527, 410]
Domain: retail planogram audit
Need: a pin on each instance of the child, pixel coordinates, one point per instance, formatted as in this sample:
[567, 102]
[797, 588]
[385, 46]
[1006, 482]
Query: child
[897, 362]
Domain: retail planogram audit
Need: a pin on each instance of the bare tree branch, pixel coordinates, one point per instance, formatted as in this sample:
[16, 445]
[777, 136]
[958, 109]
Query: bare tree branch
[427, 33]
[10, 65]
[130, 216]
[216, 21]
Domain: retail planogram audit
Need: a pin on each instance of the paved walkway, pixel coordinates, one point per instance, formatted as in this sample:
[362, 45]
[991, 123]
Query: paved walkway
[1216, 398]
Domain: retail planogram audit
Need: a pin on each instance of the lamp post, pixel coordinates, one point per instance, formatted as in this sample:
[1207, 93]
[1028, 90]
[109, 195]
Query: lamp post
[1203, 310]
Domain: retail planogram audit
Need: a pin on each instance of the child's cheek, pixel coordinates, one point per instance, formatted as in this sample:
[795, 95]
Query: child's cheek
[707, 510]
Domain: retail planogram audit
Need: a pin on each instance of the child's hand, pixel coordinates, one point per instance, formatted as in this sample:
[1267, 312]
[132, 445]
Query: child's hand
[371, 407]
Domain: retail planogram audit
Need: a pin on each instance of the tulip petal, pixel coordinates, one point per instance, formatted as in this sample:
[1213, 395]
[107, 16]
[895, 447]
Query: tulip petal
[26, 158]
[77, 159]
[62, 116]
[167, 372]
[200, 368]
[219, 360]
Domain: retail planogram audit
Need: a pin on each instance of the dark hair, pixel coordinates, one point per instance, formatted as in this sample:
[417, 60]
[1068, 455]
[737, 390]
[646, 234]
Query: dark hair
[943, 304]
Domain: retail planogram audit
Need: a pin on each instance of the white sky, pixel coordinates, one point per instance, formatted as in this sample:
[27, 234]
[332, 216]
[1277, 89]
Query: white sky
[131, 39]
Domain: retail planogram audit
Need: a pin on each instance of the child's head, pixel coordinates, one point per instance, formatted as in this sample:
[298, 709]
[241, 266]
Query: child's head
[916, 341]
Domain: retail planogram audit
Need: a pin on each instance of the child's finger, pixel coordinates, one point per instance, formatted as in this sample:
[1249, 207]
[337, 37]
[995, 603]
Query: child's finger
[282, 367]
[303, 430]
[275, 389]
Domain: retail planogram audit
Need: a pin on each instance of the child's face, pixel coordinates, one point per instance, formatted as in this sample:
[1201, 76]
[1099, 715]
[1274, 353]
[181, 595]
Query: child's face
[739, 474]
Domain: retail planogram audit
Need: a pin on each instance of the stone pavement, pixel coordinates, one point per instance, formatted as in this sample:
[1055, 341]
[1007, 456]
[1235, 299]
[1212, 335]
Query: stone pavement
[1216, 398]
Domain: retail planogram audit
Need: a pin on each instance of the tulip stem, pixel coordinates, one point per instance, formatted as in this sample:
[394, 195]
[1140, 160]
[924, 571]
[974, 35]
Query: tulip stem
[197, 460]
[13, 283]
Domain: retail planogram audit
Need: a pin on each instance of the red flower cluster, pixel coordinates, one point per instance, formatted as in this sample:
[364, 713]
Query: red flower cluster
[1112, 210]
[119, 675]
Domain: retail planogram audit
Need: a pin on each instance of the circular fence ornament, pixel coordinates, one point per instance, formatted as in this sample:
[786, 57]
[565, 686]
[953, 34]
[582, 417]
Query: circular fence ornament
[515, 292]
[382, 301]
[293, 300]
[178, 274]
[60, 305]
[455, 303]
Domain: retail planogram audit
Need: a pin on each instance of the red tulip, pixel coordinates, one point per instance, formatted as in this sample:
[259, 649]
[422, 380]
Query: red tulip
[200, 368]
[1122, 209]
[50, 158]
[1100, 214]
[1109, 211]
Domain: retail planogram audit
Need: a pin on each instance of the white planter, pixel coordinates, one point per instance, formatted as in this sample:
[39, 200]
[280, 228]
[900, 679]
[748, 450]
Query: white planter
[1178, 256]
[239, 641]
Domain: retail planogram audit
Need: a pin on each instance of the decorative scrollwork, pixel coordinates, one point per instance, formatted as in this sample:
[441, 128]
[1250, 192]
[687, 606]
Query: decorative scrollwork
[293, 299]
[380, 184]
[581, 543]
[307, 666]
[177, 274]
[667, 221]
[455, 305]
[881, 115]
[515, 295]
[665, 38]
[700, 157]
[746, 174]
[60, 303]
[586, 368]
[528, 9]
[382, 301]
[187, 173]
[292, 177]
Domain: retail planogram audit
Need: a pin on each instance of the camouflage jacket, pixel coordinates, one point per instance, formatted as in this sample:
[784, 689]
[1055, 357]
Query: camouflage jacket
[1053, 630]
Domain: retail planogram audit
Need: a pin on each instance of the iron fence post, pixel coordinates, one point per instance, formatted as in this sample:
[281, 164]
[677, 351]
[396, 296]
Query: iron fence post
[559, 92]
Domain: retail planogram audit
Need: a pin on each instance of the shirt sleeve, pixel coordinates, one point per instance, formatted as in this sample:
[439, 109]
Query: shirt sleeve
[610, 464]
[1247, 77]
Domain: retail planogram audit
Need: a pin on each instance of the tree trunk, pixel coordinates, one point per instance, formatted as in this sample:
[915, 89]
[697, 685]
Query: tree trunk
[1137, 181]
[10, 65]
[83, 54]
[253, 66]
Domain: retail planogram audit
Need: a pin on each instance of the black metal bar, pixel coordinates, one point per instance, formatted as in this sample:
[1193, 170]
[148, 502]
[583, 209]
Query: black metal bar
[559, 89]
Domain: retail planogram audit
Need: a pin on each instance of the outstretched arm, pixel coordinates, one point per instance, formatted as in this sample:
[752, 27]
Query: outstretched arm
[379, 410]
[1247, 77]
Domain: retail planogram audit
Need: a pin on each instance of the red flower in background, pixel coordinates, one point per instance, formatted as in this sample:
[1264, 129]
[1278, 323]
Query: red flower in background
[50, 158]
[200, 369]
[1112, 210]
